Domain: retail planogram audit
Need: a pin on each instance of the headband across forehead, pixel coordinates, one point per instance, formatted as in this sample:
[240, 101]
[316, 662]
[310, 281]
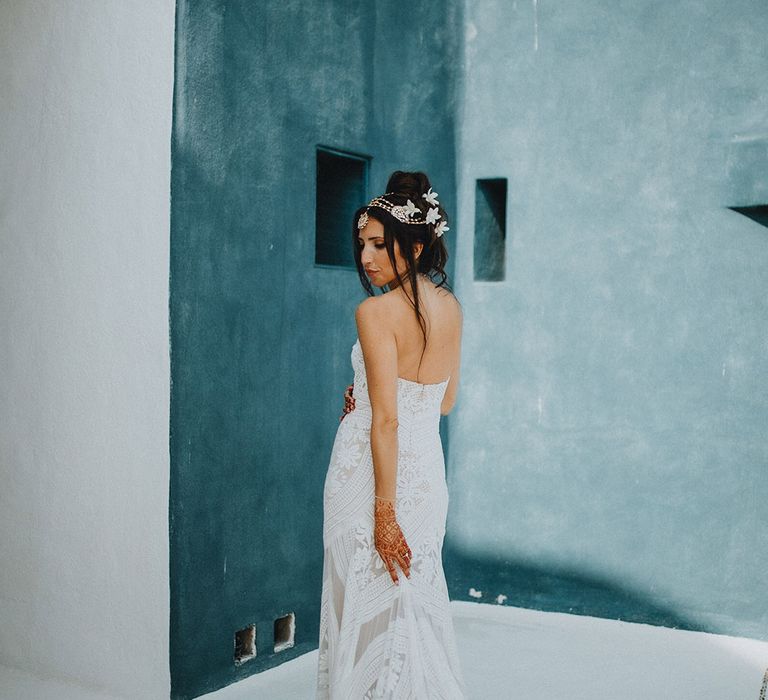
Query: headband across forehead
[408, 213]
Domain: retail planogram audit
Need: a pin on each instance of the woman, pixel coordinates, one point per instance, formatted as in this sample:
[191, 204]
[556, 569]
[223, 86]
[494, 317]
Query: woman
[385, 624]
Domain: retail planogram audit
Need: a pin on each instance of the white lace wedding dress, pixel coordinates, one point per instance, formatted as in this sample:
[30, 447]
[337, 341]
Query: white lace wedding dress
[378, 639]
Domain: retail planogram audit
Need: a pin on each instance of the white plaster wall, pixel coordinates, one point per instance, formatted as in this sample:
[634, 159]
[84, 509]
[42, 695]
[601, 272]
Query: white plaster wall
[85, 103]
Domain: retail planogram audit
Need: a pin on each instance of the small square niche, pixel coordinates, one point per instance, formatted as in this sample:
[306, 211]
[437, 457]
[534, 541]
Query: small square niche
[285, 629]
[341, 188]
[245, 644]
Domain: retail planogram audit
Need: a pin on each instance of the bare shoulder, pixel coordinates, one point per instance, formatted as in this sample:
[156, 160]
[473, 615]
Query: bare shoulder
[450, 301]
[445, 293]
[370, 306]
[372, 312]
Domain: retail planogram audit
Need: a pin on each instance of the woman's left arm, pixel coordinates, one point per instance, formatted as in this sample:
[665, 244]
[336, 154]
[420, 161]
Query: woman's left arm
[377, 341]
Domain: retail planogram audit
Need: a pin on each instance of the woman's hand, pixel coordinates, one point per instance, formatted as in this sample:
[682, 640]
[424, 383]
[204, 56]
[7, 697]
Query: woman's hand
[349, 401]
[389, 539]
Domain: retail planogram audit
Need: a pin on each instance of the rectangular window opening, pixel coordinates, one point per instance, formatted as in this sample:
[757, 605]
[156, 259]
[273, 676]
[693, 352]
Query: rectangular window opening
[341, 188]
[490, 229]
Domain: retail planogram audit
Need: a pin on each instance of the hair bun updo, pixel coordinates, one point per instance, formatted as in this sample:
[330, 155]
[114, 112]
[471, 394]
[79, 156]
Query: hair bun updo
[410, 184]
[403, 190]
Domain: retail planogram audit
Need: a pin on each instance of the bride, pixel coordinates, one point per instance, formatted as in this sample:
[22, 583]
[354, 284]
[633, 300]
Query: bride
[385, 622]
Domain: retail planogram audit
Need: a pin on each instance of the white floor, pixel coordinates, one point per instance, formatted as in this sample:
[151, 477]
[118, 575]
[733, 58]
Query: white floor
[510, 653]
[20, 685]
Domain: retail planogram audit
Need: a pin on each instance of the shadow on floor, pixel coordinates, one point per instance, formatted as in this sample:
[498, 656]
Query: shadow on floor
[566, 591]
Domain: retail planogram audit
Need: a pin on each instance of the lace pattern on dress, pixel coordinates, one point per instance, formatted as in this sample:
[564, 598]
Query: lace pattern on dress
[379, 640]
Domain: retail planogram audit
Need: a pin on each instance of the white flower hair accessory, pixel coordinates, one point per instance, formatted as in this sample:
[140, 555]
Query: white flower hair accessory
[408, 213]
[431, 197]
[433, 215]
[441, 228]
[411, 209]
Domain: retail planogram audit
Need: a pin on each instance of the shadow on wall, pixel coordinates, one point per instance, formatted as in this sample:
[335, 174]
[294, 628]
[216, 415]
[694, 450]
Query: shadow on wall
[484, 579]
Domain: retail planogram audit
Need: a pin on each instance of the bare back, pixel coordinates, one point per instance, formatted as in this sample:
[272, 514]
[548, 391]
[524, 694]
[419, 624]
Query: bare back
[443, 318]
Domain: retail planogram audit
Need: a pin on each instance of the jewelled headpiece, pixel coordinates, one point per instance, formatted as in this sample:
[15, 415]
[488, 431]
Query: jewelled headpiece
[408, 213]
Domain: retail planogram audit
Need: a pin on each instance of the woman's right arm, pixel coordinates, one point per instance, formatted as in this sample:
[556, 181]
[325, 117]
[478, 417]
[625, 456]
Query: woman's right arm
[349, 401]
[449, 399]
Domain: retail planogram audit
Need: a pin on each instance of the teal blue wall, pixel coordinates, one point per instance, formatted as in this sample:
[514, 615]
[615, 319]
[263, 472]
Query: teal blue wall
[609, 447]
[260, 336]
[608, 451]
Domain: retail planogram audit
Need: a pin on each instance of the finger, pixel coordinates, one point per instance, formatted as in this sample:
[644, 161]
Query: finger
[389, 561]
[402, 545]
[404, 565]
[405, 552]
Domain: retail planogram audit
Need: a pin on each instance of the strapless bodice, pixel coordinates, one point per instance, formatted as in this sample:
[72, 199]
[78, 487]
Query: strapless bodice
[415, 401]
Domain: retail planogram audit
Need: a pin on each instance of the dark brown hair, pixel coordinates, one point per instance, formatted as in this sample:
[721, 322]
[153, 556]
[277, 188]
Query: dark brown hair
[434, 254]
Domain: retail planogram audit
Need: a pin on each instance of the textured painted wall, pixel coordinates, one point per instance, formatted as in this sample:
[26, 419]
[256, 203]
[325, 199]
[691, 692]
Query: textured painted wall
[260, 336]
[85, 126]
[609, 448]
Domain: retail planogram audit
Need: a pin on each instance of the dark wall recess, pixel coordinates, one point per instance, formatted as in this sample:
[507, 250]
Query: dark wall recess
[285, 628]
[490, 229]
[245, 644]
[341, 187]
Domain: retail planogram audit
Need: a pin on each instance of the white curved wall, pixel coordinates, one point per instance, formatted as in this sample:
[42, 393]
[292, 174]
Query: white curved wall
[85, 99]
